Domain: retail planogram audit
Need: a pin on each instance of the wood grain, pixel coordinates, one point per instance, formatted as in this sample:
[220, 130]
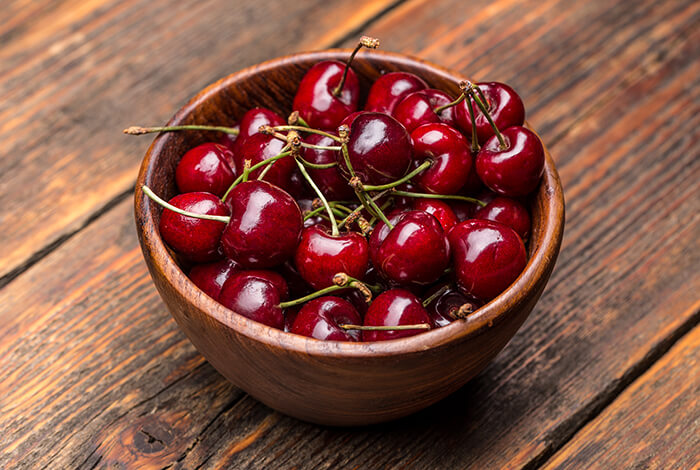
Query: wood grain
[74, 74]
[655, 423]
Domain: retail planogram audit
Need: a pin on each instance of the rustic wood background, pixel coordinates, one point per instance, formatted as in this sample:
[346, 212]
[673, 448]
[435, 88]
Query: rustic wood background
[95, 373]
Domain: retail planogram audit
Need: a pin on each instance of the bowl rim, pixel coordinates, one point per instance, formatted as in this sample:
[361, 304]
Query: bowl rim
[540, 262]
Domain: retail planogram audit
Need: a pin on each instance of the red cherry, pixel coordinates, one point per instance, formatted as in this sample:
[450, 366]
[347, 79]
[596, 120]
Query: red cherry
[389, 89]
[253, 296]
[212, 276]
[415, 251]
[487, 257]
[466, 210]
[379, 149]
[251, 122]
[290, 314]
[320, 256]
[229, 141]
[329, 180]
[205, 168]
[265, 225]
[438, 209]
[392, 308]
[450, 154]
[320, 319]
[517, 169]
[446, 304]
[315, 100]
[418, 108]
[195, 239]
[509, 212]
[504, 105]
[259, 147]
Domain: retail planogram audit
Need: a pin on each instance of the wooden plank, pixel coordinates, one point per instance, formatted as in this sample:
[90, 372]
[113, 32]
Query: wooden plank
[655, 423]
[75, 73]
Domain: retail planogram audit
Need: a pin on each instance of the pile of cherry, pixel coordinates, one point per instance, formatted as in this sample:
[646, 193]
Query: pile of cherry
[358, 225]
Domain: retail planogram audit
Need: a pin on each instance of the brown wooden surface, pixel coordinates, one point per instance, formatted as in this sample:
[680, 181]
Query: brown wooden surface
[93, 371]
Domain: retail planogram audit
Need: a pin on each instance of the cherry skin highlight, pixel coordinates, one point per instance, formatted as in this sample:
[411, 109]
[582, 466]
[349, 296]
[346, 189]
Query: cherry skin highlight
[438, 209]
[205, 168]
[250, 125]
[504, 105]
[450, 154]
[211, 277]
[320, 318]
[329, 180]
[259, 147]
[392, 308]
[254, 297]
[509, 212]
[418, 108]
[389, 89]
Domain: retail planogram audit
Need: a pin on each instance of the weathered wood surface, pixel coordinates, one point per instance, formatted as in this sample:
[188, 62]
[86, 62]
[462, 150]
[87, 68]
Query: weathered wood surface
[94, 371]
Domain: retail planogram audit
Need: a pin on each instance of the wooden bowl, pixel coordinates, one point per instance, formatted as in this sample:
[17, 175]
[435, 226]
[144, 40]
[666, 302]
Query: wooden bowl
[336, 383]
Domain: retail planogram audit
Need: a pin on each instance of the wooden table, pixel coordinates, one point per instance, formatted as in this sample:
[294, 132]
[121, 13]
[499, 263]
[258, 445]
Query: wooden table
[95, 373]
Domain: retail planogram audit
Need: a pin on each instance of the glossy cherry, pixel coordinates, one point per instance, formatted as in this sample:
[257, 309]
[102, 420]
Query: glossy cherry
[379, 149]
[329, 180]
[504, 105]
[509, 212]
[315, 100]
[254, 296]
[320, 318]
[465, 210]
[195, 239]
[205, 168]
[251, 122]
[487, 257]
[392, 308]
[418, 108]
[517, 169]
[211, 277]
[438, 209]
[450, 154]
[265, 225]
[443, 309]
[229, 140]
[415, 251]
[259, 147]
[389, 89]
[320, 256]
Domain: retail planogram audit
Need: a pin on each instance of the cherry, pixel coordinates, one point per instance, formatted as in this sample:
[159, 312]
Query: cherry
[320, 319]
[320, 256]
[296, 186]
[306, 205]
[438, 209]
[229, 140]
[297, 285]
[446, 303]
[509, 212]
[487, 257]
[414, 251]
[513, 169]
[395, 307]
[419, 108]
[195, 239]
[254, 296]
[329, 180]
[205, 168]
[379, 149]
[465, 210]
[389, 89]
[504, 105]
[449, 152]
[212, 276]
[265, 225]
[250, 125]
[259, 147]
[290, 314]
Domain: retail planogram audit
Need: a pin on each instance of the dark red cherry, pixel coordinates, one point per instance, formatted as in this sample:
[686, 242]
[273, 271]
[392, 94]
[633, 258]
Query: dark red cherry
[315, 100]
[320, 256]
[297, 186]
[487, 257]
[205, 168]
[229, 141]
[298, 287]
[251, 122]
[465, 210]
[307, 205]
[418, 108]
[265, 225]
[450, 154]
[389, 89]
[509, 212]
[394, 307]
[443, 308]
[254, 297]
[195, 239]
[320, 319]
[290, 314]
[438, 209]
[379, 149]
[415, 251]
[358, 300]
[211, 277]
[504, 105]
[329, 180]
[516, 170]
[259, 147]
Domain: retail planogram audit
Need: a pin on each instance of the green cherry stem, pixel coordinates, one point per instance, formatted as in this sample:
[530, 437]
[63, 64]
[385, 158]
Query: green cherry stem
[423, 166]
[317, 166]
[419, 326]
[340, 206]
[453, 197]
[365, 41]
[437, 294]
[440, 109]
[475, 138]
[352, 216]
[472, 89]
[334, 225]
[269, 130]
[244, 175]
[340, 281]
[219, 218]
[136, 130]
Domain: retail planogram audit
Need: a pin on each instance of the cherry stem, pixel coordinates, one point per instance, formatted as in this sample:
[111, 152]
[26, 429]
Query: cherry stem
[280, 136]
[440, 109]
[317, 166]
[437, 294]
[423, 166]
[246, 171]
[340, 206]
[453, 197]
[269, 130]
[153, 196]
[340, 281]
[475, 138]
[356, 213]
[136, 130]
[382, 207]
[334, 225]
[365, 41]
[419, 326]
[379, 213]
[473, 89]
